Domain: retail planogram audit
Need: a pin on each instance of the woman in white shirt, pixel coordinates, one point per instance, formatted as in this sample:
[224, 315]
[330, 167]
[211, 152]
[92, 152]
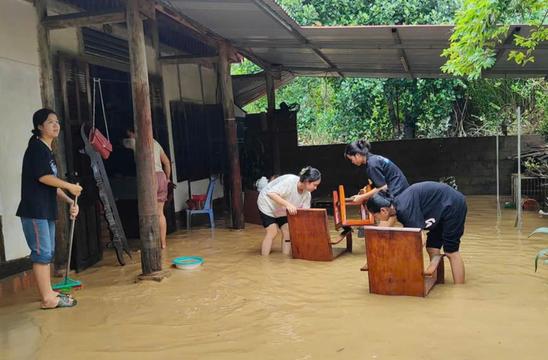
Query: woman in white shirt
[283, 195]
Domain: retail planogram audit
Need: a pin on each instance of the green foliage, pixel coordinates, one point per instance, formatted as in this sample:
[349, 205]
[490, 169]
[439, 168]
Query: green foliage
[373, 12]
[245, 67]
[493, 104]
[481, 25]
[336, 110]
[536, 167]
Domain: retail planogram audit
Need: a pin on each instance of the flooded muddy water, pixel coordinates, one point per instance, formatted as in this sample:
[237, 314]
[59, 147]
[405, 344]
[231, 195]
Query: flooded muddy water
[240, 305]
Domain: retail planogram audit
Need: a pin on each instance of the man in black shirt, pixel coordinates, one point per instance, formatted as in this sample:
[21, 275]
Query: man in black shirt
[431, 206]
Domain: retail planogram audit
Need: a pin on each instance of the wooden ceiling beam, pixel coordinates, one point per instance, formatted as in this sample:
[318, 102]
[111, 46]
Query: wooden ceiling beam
[84, 19]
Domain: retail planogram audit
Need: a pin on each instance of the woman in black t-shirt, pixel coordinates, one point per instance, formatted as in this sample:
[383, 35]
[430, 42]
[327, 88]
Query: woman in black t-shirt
[40, 188]
[383, 173]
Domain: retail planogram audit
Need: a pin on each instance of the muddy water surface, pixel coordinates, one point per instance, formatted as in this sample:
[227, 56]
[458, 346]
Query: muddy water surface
[240, 305]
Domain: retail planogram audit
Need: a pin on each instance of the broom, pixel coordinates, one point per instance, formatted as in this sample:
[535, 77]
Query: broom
[67, 284]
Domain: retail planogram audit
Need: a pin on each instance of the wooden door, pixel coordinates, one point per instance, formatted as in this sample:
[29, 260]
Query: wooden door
[74, 84]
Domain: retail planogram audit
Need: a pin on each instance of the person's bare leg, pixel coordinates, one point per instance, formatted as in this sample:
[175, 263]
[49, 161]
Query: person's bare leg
[457, 267]
[163, 224]
[365, 267]
[433, 253]
[271, 232]
[42, 275]
[286, 244]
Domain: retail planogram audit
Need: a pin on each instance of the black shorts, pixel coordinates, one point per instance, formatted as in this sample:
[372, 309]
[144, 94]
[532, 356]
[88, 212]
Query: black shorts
[269, 220]
[448, 232]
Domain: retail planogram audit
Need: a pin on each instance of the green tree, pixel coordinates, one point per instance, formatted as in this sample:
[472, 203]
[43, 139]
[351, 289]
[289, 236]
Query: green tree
[341, 110]
[481, 25]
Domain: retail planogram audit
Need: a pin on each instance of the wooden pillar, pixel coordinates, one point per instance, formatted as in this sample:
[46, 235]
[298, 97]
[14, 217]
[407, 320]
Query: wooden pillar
[273, 126]
[270, 93]
[231, 137]
[44, 52]
[48, 101]
[149, 230]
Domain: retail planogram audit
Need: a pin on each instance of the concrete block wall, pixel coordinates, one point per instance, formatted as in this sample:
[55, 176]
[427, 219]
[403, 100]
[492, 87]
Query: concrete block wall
[471, 160]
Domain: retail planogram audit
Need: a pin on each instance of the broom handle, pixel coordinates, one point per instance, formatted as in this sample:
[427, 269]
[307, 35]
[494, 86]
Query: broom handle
[72, 224]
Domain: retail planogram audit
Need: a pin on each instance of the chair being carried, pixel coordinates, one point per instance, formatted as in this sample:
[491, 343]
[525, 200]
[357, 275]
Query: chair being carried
[208, 206]
[340, 204]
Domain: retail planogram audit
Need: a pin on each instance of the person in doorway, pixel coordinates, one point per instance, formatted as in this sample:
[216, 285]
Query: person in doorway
[40, 189]
[283, 195]
[162, 167]
[434, 207]
[383, 173]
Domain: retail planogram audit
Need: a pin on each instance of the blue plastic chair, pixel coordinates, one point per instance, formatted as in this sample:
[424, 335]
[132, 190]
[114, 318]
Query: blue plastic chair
[208, 206]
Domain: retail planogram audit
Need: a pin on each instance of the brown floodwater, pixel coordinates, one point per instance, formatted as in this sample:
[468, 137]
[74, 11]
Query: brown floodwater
[240, 305]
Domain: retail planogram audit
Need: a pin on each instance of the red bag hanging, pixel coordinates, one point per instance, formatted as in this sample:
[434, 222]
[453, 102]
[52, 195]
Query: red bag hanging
[100, 143]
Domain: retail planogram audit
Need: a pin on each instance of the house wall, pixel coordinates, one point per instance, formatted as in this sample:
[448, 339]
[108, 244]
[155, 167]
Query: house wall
[67, 42]
[19, 98]
[188, 89]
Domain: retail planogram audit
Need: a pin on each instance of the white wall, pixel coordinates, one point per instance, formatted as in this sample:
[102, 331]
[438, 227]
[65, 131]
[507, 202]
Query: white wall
[19, 98]
[190, 91]
[64, 40]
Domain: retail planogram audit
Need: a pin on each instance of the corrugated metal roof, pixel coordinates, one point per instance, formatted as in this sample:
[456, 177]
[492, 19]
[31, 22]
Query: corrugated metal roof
[262, 29]
[248, 88]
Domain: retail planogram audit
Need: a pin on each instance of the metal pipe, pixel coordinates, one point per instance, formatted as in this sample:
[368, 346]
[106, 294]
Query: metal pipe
[519, 221]
[498, 176]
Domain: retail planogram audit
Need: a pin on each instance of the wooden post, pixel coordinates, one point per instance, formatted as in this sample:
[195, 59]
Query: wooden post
[149, 230]
[48, 101]
[44, 52]
[271, 101]
[231, 137]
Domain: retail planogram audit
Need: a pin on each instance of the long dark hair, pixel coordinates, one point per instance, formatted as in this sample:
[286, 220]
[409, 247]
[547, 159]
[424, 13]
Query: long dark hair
[309, 174]
[39, 117]
[362, 147]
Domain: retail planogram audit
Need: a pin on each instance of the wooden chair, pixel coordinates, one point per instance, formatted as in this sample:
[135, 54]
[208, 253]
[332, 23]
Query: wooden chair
[339, 211]
[395, 262]
[310, 238]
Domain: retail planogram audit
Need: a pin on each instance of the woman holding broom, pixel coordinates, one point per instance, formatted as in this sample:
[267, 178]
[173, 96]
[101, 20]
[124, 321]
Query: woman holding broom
[40, 188]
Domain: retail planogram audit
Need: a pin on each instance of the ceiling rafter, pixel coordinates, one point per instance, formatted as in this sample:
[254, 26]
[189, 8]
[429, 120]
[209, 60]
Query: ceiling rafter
[283, 19]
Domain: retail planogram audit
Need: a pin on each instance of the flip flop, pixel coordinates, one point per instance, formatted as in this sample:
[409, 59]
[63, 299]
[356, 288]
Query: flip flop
[64, 301]
[59, 293]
